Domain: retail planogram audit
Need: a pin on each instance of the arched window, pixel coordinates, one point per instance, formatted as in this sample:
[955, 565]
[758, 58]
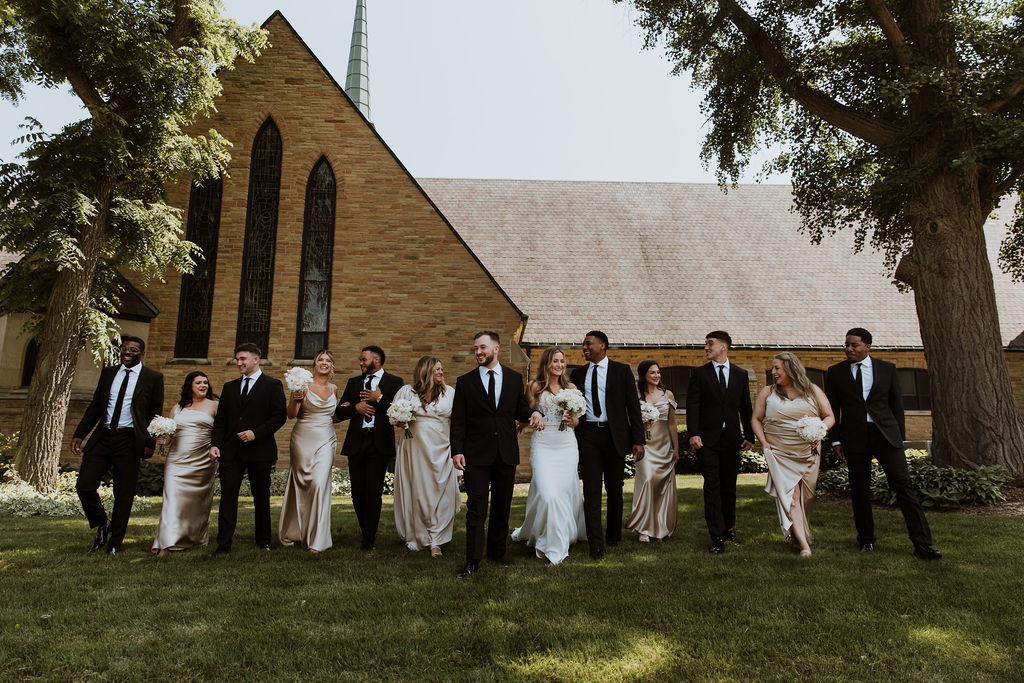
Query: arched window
[28, 367]
[317, 260]
[195, 304]
[677, 379]
[257, 285]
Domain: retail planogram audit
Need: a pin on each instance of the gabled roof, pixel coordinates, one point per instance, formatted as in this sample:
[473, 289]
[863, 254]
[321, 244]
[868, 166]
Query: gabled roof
[665, 263]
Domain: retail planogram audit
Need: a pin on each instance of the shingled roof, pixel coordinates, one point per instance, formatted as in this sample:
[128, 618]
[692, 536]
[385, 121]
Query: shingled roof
[664, 263]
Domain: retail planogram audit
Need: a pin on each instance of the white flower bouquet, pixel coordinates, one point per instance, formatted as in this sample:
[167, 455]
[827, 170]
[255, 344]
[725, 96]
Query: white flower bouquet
[298, 379]
[811, 429]
[403, 410]
[649, 414]
[570, 401]
[161, 426]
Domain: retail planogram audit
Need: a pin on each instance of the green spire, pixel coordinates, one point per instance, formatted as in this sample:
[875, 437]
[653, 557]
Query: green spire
[357, 83]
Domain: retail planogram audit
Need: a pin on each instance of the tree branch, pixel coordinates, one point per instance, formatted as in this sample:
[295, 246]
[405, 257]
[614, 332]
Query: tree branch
[1008, 93]
[892, 32]
[183, 27]
[855, 122]
[80, 83]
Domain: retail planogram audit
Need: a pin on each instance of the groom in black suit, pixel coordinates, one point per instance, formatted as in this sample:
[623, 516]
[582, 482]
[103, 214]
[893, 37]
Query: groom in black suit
[488, 402]
[718, 415]
[252, 408]
[866, 400]
[127, 397]
[611, 428]
[370, 440]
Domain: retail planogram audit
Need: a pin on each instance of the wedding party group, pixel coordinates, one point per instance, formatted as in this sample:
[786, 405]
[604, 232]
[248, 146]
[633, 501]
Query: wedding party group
[584, 425]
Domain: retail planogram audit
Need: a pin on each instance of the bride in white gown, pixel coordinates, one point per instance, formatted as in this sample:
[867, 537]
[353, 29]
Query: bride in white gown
[554, 507]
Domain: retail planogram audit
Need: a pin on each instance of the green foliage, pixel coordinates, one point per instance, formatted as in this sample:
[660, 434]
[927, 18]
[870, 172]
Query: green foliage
[940, 487]
[19, 499]
[753, 462]
[8, 447]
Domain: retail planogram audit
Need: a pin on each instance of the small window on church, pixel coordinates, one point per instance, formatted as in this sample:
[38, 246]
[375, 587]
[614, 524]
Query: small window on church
[676, 379]
[195, 304]
[260, 239]
[317, 261]
[28, 368]
[915, 389]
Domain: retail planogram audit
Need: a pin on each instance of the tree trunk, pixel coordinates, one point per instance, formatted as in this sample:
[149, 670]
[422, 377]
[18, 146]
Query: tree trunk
[975, 419]
[46, 409]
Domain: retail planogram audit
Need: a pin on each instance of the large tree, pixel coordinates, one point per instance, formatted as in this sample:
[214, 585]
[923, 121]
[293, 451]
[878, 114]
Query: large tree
[90, 198]
[901, 120]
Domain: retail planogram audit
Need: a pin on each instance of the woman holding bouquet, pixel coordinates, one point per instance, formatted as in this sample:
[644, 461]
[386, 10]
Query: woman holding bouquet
[306, 510]
[426, 483]
[654, 486]
[554, 506]
[790, 418]
[189, 472]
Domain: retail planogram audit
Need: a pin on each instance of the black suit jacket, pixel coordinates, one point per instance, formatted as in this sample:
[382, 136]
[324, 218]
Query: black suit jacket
[884, 404]
[482, 432]
[263, 411]
[383, 433]
[707, 407]
[622, 405]
[147, 403]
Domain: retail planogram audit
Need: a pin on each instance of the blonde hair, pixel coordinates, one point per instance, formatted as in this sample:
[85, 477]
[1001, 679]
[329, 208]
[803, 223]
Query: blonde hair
[541, 380]
[325, 352]
[798, 376]
[423, 384]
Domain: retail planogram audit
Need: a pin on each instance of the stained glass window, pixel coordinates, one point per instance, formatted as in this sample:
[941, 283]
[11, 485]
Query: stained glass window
[196, 301]
[260, 239]
[317, 253]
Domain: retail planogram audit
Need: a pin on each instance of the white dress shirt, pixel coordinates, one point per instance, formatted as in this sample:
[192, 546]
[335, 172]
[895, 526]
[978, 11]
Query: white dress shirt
[486, 379]
[867, 378]
[252, 381]
[602, 385]
[374, 382]
[125, 419]
[725, 369]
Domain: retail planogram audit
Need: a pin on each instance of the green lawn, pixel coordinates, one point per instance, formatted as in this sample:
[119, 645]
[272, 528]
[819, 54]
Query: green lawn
[664, 611]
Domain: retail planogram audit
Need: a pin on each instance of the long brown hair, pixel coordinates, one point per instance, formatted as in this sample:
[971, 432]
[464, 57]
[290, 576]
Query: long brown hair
[641, 377]
[542, 373]
[423, 384]
[798, 376]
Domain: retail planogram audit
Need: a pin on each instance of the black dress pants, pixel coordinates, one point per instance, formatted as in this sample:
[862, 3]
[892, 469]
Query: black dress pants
[366, 471]
[231, 472]
[719, 466]
[113, 449]
[599, 460]
[894, 463]
[498, 479]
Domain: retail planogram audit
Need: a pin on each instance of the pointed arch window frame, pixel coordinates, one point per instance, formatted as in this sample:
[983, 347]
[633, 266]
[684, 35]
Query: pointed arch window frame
[321, 193]
[195, 299]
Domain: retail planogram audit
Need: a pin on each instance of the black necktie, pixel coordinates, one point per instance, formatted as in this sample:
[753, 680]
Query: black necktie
[595, 397]
[366, 387]
[245, 387]
[860, 382]
[115, 419]
[490, 388]
[721, 376]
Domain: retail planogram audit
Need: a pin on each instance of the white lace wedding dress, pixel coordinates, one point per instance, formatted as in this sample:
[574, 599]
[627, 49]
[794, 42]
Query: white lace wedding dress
[554, 506]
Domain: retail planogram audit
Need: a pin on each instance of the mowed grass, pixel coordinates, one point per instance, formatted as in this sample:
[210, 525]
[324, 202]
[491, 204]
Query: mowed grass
[659, 612]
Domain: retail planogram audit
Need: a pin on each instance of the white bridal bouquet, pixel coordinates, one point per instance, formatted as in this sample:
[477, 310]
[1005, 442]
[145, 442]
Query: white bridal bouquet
[649, 414]
[403, 410]
[161, 426]
[811, 429]
[298, 379]
[570, 401]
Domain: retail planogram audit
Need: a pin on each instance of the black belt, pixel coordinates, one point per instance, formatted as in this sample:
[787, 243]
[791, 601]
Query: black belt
[603, 424]
[120, 430]
[368, 430]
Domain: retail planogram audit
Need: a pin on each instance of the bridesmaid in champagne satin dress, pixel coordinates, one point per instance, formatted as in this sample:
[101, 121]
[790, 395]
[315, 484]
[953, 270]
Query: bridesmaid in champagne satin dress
[306, 511]
[792, 462]
[189, 472]
[426, 483]
[654, 484]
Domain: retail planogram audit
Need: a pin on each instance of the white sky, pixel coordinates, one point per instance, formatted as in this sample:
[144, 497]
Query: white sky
[531, 89]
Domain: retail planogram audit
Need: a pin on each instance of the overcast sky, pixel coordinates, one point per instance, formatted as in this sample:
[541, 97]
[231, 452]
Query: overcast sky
[533, 89]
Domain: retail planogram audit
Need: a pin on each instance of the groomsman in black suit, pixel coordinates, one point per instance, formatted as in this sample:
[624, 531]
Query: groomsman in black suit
[370, 440]
[488, 402]
[865, 397]
[611, 428]
[252, 409]
[718, 415]
[127, 397]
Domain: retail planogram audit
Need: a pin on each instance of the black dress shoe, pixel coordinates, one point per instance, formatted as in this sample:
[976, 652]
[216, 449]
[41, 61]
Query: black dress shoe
[730, 536]
[867, 547]
[102, 534]
[112, 550]
[718, 546]
[469, 569]
[610, 542]
[597, 554]
[264, 546]
[367, 544]
[926, 552]
[222, 550]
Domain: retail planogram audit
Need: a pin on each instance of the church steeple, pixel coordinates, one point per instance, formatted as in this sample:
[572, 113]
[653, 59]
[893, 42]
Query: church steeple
[357, 83]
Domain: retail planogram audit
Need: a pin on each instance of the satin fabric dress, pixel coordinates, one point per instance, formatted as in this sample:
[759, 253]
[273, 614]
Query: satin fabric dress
[306, 510]
[654, 485]
[188, 483]
[554, 506]
[426, 481]
[791, 460]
